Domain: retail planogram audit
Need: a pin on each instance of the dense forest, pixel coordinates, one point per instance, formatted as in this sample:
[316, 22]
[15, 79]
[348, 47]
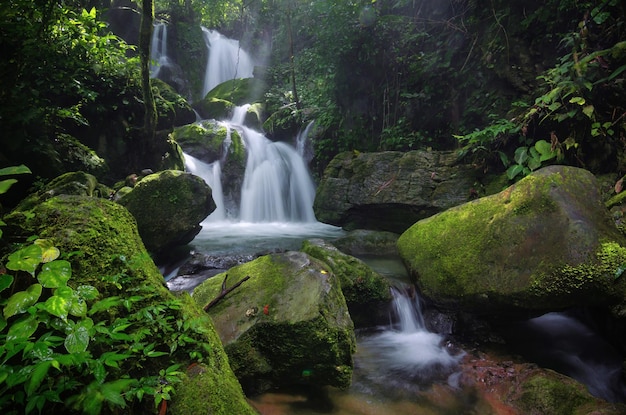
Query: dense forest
[513, 85]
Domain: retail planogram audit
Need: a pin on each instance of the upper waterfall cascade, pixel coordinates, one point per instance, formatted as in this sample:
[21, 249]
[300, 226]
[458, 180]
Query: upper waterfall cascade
[227, 60]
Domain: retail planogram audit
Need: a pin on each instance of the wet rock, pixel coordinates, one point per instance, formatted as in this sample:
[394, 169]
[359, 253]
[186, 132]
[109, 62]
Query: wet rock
[367, 293]
[169, 207]
[514, 387]
[545, 243]
[288, 324]
[390, 191]
[365, 242]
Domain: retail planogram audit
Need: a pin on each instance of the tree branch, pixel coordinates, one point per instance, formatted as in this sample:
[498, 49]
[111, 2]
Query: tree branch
[225, 291]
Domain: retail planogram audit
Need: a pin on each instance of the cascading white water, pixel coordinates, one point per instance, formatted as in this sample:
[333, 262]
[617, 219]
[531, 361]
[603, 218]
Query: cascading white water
[227, 60]
[158, 49]
[406, 350]
[211, 173]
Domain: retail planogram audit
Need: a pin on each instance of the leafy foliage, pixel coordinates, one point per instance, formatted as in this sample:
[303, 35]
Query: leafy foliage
[63, 346]
[578, 116]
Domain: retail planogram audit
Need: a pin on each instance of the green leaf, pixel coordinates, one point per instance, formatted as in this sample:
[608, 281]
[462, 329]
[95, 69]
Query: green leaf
[49, 252]
[521, 155]
[78, 339]
[87, 292]
[545, 150]
[112, 391]
[577, 100]
[22, 300]
[534, 163]
[26, 259]
[55, 274]
[514, 170]
[588, 110]
[105, 304]
[58, 306]
[22, 329]
[5, 185]
[9, 171]
[37, 376]
[5, 281]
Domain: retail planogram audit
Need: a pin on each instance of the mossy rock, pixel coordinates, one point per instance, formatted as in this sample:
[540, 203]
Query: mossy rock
[73, 183]
[367, 293]
[547, 392]
[169, 207]
[545, 243]
[206, 140]
[100, 240]
[288, 324]
[173, 109]
[222, 99]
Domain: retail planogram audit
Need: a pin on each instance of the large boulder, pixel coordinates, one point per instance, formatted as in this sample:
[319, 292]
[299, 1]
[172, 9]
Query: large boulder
[391, 190]
[367, 293]
[211, 141]
[101, 242]
[288, 324]
[545, 243]
[169, 206]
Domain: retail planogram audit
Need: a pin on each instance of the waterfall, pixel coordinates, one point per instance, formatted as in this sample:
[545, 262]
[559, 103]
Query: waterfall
[277, 186]
[303, 145]
[211, 173]
[406, 350]
[158, 49]
[227, 60]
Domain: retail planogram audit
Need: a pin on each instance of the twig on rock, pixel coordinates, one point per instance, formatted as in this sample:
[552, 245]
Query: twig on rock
[225, 291]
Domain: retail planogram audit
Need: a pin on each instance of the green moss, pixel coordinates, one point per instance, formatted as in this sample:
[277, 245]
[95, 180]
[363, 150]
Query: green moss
[545, 395]
[361, 285]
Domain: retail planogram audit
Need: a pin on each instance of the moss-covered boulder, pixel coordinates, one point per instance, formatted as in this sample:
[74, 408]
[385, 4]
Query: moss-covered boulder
[211, 141]
[169, 206]
[367, 293]
[220, 101]
[100, 240]
[73, 183]
[288, 324]
[391, 190]
[545, 243]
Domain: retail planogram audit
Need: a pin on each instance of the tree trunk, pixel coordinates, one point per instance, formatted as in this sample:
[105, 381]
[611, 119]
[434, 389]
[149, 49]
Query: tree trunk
[145, 37]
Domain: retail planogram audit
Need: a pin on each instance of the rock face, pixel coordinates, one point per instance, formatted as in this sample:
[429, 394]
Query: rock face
[391, 190]
[366, 291]
[108, 254]
[287, 325]
[545, 243]
[169, 207]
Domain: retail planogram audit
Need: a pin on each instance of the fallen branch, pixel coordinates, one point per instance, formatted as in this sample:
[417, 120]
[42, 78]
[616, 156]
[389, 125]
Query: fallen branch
[225, 291]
